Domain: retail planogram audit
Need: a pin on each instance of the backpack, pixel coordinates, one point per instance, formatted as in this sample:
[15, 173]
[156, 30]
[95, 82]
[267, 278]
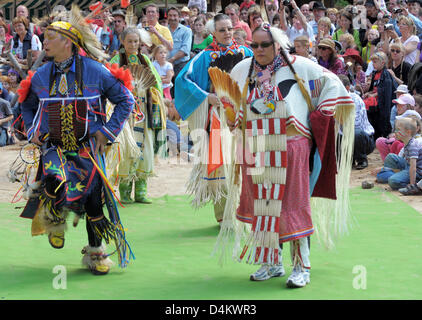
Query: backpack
[414, 74]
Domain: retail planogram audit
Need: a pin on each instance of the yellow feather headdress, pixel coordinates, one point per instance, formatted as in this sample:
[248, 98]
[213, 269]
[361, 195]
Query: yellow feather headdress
[79, 31]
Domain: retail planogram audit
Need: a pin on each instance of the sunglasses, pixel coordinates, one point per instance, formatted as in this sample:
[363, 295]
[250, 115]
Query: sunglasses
[323, 48]
[395, 51]
[263, 45]
[225, 29]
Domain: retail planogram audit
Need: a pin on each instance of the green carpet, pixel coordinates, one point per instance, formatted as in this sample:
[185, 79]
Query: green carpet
[172, 244]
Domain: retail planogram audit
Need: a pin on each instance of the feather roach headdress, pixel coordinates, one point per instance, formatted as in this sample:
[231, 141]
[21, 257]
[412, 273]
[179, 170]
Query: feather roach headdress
[79, 31]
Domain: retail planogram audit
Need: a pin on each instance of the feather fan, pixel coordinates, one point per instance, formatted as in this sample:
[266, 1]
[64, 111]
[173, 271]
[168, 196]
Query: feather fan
[227, 90]
[143, 76]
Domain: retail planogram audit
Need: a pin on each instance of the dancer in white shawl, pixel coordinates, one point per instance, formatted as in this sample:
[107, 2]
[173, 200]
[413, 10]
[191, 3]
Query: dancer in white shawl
[288, 119]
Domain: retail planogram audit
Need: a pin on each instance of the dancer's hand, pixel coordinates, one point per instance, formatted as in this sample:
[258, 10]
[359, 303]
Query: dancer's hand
[100, 142]
[214, 100]
[36, 139]
[231, 125]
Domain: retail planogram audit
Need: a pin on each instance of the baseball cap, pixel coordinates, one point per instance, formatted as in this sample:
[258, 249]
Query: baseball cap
[118, 13]
[405, 99]
[402, 88]
[318, 6]
[408, 113]
[369, 3]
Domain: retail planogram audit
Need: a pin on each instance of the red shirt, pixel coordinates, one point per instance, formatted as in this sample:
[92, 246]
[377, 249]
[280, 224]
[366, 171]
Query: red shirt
[246, 4]
[243, 25]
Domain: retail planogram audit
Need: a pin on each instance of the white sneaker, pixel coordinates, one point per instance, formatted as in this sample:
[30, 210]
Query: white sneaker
[267, 272]
[299, 277]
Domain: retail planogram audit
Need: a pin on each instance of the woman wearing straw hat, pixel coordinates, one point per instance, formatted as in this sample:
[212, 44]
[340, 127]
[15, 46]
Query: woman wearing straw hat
[327, 57]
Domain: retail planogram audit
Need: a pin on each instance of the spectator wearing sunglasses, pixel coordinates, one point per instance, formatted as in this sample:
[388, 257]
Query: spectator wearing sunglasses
[398, 68]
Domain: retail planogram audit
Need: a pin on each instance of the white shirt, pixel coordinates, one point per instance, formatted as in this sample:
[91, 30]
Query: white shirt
[35, 46]
[411, 57]
[293, 33]
[162, 71]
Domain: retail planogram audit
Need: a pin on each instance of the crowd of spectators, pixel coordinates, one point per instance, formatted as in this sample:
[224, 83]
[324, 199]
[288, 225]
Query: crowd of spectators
[372, 45]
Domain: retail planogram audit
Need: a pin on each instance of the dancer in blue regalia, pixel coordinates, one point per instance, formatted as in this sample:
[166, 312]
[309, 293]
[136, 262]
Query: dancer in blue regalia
[196, 102]
[63, 108]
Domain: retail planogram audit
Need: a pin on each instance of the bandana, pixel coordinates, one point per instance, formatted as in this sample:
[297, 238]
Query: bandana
[215, 46]
[263, 87]
[61, 66]
[264, 77]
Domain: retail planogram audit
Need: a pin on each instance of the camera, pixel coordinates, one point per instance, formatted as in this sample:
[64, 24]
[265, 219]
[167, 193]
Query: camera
[146, 28]
[398, 10]
[286, 3]
[389, 26]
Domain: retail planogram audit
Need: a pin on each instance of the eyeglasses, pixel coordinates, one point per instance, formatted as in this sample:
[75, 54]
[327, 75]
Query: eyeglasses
[323, 48]
[263, 45]
[229, 29]
[395, 51]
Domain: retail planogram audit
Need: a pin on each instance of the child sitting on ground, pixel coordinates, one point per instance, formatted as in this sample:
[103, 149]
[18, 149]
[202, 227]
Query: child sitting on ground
[388, 145]
[406, 167]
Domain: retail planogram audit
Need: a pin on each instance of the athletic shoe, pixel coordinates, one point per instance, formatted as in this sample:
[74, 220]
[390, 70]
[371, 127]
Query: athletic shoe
[267, 272]
[410, 190]
[299, 278]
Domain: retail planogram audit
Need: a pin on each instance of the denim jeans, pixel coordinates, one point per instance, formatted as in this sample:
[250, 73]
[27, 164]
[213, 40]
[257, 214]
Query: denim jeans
[364, 145]
[395, 180]
[3, 137]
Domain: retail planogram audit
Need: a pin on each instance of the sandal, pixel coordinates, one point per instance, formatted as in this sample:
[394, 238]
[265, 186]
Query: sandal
[410, 190]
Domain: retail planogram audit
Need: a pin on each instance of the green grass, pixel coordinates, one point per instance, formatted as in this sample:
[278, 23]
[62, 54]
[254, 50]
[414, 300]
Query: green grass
[173, 244]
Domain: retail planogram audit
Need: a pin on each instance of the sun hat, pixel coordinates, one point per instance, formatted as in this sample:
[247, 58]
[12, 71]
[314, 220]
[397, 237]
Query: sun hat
[402, 88]
[354, 54]
[328, 43]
